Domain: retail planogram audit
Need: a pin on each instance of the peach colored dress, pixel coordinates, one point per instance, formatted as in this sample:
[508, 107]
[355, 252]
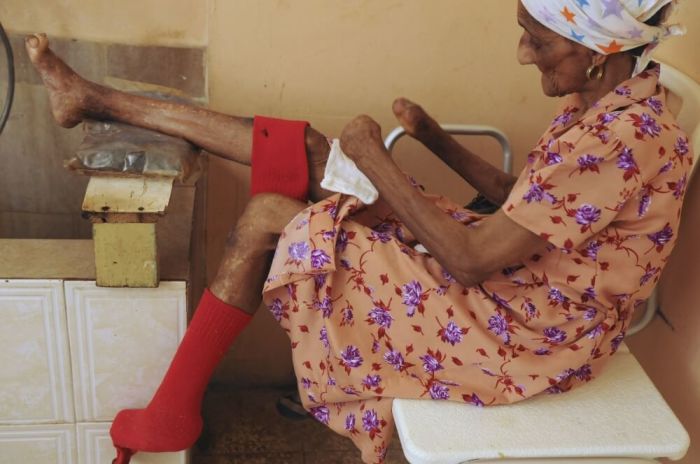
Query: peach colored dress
[370, 319]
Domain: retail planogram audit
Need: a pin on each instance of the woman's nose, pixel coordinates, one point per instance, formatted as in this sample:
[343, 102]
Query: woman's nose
[525, 53]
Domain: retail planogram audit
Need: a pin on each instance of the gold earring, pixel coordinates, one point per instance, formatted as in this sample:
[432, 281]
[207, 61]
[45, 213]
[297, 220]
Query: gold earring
[595, 72]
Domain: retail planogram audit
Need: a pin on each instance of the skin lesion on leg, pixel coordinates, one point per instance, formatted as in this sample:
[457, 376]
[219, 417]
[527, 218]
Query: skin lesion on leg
[249, 250]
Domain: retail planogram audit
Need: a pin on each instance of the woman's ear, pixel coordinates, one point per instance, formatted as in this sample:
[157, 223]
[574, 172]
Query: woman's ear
[598, 59]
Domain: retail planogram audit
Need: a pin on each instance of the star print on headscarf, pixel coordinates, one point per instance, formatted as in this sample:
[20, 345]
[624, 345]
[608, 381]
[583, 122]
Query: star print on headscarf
[568, 15]
[607, 26]
[635, 33]
[612, 7]
[612, 47]
[576, 37]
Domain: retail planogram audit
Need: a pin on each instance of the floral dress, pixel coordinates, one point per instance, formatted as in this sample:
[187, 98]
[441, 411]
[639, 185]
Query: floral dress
[371, 319]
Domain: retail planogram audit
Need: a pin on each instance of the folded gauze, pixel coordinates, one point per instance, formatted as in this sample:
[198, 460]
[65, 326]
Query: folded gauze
[342, 176]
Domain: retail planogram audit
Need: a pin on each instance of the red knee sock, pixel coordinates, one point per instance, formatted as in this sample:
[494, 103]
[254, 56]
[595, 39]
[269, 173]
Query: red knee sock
[172, 420]
[279, 163]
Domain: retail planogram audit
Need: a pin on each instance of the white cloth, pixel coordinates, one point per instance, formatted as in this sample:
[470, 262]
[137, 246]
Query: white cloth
[606, 26]
[343, 176]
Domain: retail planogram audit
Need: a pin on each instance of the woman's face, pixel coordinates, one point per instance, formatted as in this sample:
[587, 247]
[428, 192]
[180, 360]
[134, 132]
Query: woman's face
[562, 62]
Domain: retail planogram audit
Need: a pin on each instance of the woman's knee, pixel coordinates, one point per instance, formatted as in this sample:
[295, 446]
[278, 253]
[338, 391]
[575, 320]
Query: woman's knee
[269, 213]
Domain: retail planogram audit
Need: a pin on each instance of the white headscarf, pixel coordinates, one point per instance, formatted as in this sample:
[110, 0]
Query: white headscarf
[606, 26]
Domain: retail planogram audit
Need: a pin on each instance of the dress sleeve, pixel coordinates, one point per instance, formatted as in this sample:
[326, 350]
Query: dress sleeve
[574, 187]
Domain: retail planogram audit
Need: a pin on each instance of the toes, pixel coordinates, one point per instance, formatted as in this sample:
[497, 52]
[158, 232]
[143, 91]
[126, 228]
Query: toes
[37, 42]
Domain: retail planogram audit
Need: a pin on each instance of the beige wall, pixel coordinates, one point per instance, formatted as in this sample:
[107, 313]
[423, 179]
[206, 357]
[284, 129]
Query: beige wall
[330, 60]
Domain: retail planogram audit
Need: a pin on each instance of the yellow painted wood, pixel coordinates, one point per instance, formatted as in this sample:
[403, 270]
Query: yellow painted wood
[127, 194]
[126, 255]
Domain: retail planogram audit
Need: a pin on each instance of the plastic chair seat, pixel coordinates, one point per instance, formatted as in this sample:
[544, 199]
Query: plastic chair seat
[618, 415]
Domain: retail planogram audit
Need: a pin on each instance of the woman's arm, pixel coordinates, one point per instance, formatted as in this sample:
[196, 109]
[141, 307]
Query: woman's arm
[469, 254]
[490, 181]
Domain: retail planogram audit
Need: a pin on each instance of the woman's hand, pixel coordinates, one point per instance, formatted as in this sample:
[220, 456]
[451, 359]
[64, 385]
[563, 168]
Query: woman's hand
[361, 138]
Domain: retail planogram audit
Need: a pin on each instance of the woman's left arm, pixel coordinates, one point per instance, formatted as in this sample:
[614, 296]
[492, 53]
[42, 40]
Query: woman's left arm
[468, 254]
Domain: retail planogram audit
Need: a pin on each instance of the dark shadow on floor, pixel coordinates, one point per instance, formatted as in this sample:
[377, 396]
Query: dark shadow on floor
[243, 427]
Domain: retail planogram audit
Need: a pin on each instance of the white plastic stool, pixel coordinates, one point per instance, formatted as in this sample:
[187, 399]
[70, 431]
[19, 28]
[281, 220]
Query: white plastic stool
[618, 418]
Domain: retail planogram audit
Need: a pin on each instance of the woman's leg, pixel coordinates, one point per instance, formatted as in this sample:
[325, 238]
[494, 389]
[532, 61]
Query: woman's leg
[172, 419]
[74, 98]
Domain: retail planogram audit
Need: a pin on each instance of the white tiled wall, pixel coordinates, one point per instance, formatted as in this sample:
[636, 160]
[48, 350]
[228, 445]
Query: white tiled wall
[71, 356]
[119, 339]
[35, 377]
[42, 444]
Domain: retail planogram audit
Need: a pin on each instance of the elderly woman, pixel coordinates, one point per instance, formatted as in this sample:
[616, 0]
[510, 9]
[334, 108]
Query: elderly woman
[532, 299]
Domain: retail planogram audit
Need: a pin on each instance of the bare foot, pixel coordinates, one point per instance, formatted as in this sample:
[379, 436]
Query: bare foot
[416, 121]
[68, 92]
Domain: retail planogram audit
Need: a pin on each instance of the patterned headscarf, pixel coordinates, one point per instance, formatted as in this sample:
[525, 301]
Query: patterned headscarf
[606, 26]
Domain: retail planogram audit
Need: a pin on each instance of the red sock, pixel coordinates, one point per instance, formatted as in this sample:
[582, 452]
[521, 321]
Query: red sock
[172, 420]
[279, 163]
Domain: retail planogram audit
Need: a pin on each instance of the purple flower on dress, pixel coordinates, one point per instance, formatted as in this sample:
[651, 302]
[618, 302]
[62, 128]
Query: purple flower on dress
[499, 326]
[412, 293]
[681, 148]
[381, 317]
[553, 158]
[345, 264]
[347, 315]
[370, 421]
[592, 249]
[298, 251]
[325, 306]
[328, 234]
[554, 334]
[530, 309]
[554, 390]
[666, 167]
[276, 309]
[439, 392]
[607, 118]
[679, 188]
[655, 105]
[564, 118]
[500, 301]
[331, 381]
[597, 331]
[623, 90]
[448, 277]
[542, 351]
[321, 414]
[649, 126]
[589, 294]
[587, 214]
[556, 296]
[341, 243]
[430, 364]
[566, 374]
[350, 422]
[537, 193]
[395, 359]
[662, 237]
[350, 357]
[625, 160]
[319, 281]
[615, 343]
[323, 336]
[459, 215]
[382, 232]
[476, 401]
[371, 381]
[319, 258]
[648, 275]
[451, 334]
[589, 161]
[644, 203]
[584, 372]
[306, 383]
[590, 313]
